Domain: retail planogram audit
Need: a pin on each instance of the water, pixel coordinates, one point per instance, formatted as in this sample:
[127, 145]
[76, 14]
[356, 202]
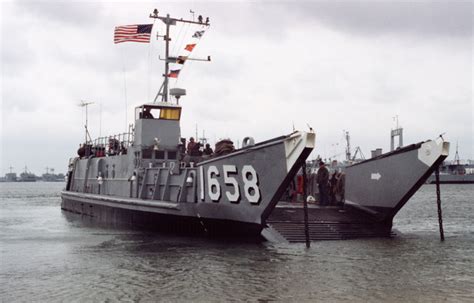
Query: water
[47, 255]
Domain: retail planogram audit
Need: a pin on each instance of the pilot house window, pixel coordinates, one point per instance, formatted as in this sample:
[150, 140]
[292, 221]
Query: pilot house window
[170, 113]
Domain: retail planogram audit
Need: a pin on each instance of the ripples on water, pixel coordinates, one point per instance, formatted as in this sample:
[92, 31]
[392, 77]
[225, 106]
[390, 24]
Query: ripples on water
[48, 256]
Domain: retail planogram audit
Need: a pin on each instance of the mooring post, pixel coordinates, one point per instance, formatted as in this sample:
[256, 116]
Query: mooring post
[305, 206]
[438, 200]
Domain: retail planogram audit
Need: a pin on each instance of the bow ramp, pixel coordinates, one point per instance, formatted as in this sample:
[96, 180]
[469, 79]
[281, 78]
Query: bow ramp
[375, 191]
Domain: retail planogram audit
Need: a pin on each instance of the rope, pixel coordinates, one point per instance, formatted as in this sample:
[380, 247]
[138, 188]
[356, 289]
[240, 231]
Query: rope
[150, 63]
[206, 28]
[180, 44]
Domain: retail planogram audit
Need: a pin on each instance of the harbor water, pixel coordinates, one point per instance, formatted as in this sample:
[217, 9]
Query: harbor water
[48, 255]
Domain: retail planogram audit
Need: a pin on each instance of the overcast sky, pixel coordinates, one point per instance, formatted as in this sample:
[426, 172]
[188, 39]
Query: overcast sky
[335, 65]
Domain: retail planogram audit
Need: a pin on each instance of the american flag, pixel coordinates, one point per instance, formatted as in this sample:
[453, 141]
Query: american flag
[133, 33]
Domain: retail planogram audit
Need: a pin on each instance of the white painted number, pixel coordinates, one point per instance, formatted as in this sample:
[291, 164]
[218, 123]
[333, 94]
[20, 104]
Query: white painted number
[230, 173]
[251, 190]
[213, 186]
[201, 178]
[229, 180]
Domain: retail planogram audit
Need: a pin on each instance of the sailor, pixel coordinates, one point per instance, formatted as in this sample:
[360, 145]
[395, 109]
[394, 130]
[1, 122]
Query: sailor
[182, 147]
[341, 184]
[322, 178]
[208, 150]
[333, 188]
[81, 152]
[146, 114]
[191, 146]
[123, 149]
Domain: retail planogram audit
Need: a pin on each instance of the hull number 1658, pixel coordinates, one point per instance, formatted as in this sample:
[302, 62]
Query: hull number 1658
[249, 178]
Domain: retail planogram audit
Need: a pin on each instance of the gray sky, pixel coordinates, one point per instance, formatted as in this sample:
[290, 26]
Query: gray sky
[334, 65]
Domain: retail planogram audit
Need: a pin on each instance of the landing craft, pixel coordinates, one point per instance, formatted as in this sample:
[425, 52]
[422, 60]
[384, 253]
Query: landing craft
[147, 178]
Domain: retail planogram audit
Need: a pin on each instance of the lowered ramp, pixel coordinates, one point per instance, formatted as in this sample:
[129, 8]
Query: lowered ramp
[286, 224]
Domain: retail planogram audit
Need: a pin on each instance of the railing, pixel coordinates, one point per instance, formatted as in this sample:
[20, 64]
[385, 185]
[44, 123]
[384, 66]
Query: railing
[108, 145]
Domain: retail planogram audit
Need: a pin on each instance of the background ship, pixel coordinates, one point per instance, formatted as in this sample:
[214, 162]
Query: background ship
[9, 177]
[454, 172]
[27, 176]
[50, 176]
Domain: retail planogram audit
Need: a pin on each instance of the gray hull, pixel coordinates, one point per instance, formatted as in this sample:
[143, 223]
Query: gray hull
[231, 194]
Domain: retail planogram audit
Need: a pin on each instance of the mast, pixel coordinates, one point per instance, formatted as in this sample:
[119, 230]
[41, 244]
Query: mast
[167, 55]
[168, 21]
[398, 131]
[456, 156]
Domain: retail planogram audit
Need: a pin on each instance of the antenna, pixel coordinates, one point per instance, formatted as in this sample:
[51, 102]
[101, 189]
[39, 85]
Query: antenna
[86, 104]
[100, 119]
[348, 145]
[168, 21]
[203, 139]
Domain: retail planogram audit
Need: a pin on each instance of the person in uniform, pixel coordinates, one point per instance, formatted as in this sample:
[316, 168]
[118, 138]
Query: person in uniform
[208, 150]
[333, 188]
[322, 177]
[147, 114]
[191, 146]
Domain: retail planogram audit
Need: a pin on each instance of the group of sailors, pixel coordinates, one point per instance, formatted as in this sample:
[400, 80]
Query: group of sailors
[196, 151]
[191, 152]
[115, 147]
[329, 187]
